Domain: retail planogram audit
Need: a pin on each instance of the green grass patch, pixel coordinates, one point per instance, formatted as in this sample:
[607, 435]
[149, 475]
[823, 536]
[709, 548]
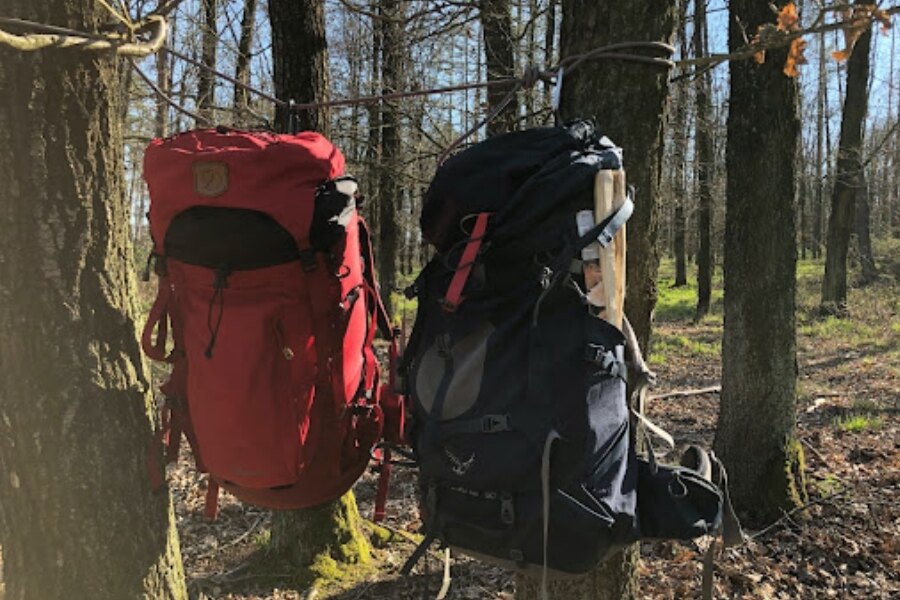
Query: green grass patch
[836, 328]
[679, 304]
[668, 346]
[859, 422]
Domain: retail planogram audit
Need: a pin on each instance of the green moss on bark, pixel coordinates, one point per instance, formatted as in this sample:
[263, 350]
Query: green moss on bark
[323, 547]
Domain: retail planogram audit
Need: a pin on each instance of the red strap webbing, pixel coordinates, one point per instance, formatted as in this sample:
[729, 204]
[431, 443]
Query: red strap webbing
[384, 480]
[159, 315]
[458, 284]
[211, 509]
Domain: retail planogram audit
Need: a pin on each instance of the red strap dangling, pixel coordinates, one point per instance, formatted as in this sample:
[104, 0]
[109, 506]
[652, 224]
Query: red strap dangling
[211, 508]
[466, 262]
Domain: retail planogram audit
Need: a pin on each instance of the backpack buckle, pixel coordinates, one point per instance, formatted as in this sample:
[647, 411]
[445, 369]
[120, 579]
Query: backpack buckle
[495, 423]
[507, 509]
[606, 360]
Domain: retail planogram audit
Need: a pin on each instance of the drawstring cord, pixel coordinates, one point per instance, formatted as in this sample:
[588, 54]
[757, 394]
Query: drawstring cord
[219, 283]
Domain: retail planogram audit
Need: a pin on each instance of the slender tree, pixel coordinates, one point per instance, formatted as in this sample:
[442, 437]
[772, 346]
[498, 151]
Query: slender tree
[862, 227]
[820, 153]
[300, 60]
[206, 81]
[755, 433]
[848, 180]
[499, 51]
[242, 64]
[637, 127]
[705, 166]
[389, 189]
[681, 116]
[77, 516]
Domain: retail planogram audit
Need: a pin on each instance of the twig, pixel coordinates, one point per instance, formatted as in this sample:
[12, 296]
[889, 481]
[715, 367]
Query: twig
[713, 389]
[794, 511]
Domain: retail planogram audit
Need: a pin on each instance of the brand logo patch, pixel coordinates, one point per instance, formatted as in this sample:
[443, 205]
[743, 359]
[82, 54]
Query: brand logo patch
[210, 178]
[459, 467]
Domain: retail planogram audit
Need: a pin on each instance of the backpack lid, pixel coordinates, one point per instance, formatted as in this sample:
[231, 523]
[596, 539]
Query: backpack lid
[275, 174]
[486, 176]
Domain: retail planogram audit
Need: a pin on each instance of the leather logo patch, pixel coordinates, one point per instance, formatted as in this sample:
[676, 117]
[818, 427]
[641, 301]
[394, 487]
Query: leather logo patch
[210, 178]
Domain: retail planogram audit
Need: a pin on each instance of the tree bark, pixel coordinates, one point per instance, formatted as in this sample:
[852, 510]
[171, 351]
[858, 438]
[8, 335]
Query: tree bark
[605, 90]
[678, 244]
[863, 233]
[206, 81]
[242, 65]
[846, 184]
[681, 109]
[300, 61]
[161, 123]
[319, 543]
[818, 216]
[77, 516]
[499, 52]
[637, 127]
[705, 168]
[755, 432]
[389, 186]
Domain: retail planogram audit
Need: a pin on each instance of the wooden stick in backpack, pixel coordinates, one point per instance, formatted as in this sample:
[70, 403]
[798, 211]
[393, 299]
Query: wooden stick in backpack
[609, 195]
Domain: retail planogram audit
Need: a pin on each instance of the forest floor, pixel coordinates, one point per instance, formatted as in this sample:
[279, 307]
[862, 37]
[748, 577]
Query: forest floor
[844, 543]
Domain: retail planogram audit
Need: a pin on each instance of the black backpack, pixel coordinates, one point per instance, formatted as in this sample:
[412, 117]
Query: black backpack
[518, 392]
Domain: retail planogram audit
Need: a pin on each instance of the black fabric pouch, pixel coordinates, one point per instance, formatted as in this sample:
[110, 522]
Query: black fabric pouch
[676, 503]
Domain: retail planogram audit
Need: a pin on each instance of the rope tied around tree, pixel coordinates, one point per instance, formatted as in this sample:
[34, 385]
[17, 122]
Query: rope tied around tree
[139, 39]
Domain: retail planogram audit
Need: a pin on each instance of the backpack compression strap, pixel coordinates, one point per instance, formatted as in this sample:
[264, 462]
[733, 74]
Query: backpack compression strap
[467, 260]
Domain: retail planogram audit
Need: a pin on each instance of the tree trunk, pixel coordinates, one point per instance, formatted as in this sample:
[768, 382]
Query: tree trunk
[300, 61]
[206, 81]
[310, 540]
[601, 89]
[499, 52]
[863, 234]
[846, 184]
[705, 168]
[681, 108]
[389, 186]
[161, 123]
[755, 433]
[818, 217]
[678, 244]
[320, 543]
[638, 129]
[242, 65]
[77, 517]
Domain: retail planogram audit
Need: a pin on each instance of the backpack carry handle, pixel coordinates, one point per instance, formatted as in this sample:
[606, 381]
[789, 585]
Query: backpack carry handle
[159, 316]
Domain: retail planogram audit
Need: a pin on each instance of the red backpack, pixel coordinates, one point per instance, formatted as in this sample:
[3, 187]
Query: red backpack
[266, 282]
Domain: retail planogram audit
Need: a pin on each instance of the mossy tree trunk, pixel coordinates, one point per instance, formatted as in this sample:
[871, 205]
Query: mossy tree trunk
[628, 102]
[77, 516]
[324, 544]
[311, 540]
[755, 433]
[849, 167]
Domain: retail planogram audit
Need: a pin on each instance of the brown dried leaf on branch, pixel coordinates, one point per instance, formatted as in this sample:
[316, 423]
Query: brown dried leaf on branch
[856, 20]
[787, 23]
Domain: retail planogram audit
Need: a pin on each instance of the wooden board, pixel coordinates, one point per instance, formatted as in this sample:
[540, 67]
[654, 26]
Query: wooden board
[609, 195]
